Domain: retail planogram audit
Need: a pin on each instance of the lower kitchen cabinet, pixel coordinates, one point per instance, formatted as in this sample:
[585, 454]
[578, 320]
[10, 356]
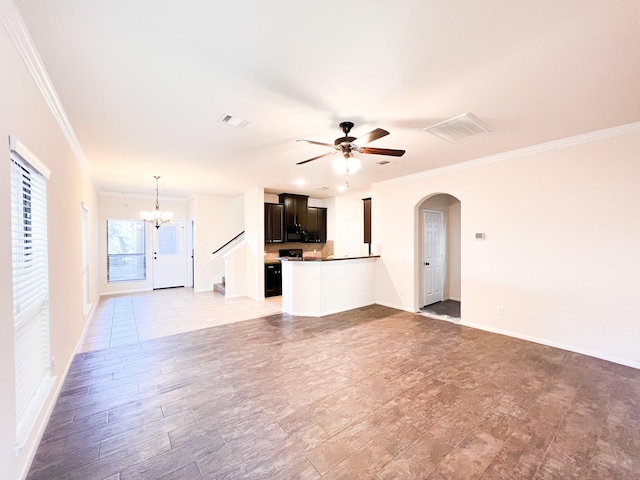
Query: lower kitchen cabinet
[272, 279]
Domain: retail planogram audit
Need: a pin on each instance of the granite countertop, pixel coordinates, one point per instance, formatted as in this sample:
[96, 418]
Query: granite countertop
[324, 259]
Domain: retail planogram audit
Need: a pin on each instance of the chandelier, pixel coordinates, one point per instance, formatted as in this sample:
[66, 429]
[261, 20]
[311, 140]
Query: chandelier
[156, 217]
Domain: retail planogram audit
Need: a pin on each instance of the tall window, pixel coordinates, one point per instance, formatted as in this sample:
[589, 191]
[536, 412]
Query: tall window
[126, 250]
[30, 276]
[85, 258]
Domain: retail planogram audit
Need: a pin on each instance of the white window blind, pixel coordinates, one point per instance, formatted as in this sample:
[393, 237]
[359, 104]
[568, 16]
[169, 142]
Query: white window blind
[126, 250]
[30, 285]
[85, 258]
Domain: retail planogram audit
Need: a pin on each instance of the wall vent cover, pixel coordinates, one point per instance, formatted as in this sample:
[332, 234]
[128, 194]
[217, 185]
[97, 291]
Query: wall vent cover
[233, 120]
[457, 128]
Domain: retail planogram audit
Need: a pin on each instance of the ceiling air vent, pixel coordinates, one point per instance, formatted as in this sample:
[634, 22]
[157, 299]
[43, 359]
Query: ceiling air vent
[384, 162]
[233, 120]
[322, 188]
[457, 128]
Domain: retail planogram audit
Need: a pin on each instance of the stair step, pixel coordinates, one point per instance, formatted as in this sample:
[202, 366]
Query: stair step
[219, 287]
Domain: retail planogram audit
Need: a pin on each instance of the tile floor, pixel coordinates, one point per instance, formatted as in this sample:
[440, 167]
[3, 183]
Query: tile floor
[372, 393]
[448, 308]
[126, 319]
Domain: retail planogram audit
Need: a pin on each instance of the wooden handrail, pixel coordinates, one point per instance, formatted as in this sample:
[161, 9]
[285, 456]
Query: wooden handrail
[230, 241]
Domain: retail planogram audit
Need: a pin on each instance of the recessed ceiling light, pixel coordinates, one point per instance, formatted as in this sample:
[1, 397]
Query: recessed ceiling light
[300, 182]
[342, 188]
[457, 128]
[233, 120]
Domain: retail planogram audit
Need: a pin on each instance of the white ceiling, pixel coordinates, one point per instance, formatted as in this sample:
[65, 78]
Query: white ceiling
[144, 83]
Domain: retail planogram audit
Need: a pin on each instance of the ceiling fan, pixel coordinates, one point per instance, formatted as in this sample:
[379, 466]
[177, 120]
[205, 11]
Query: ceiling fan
[347, 145]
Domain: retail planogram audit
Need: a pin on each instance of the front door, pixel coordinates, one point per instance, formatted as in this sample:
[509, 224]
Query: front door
[432, 256]
[169, 261]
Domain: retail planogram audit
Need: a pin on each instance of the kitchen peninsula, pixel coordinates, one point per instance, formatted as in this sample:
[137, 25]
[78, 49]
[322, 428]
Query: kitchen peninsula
[321, 286]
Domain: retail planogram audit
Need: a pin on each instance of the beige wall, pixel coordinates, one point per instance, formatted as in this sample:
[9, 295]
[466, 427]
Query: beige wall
[561, 252]
[25, 114]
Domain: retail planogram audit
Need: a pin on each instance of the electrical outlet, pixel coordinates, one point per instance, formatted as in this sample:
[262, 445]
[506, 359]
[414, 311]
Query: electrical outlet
[500, 310]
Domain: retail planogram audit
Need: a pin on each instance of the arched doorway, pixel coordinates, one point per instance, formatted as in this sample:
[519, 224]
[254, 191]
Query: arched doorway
[439, 220]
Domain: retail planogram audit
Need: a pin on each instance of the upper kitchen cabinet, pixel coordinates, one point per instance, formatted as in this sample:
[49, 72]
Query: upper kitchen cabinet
[273, 223]
[295, 209]
[367, 219]
[316, 225]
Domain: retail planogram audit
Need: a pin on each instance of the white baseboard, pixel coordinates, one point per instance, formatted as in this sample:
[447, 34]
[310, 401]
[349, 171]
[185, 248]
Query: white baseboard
[397, 307]
[550, 343]
[124, 292]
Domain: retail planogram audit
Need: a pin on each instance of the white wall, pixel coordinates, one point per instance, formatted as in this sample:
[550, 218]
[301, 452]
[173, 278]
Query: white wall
[453, 251]
[25, 114]
[254, 234]
[345, 220]
[217, 220]
[126, 207]
[561, 252]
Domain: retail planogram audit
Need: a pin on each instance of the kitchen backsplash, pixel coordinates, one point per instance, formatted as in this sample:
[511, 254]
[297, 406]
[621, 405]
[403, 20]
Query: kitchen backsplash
[323, 250]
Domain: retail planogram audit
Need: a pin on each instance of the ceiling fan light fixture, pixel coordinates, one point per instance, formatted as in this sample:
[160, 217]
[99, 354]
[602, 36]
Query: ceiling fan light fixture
[346, 164]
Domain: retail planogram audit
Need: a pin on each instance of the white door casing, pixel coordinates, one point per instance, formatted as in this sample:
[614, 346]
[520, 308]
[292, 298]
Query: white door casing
[169, 259]
[432, 256]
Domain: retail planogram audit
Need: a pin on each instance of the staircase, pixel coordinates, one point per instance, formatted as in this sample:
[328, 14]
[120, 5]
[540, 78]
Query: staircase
[229, 268]
[220, 287]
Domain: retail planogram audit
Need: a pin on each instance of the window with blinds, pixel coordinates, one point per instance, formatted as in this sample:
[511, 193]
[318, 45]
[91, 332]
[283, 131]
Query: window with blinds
[85, 259]
[30, 285]
[126, 251]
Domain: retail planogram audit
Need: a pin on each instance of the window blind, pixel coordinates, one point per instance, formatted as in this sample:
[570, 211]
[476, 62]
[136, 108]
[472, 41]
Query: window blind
[85, 258]
[30, 285]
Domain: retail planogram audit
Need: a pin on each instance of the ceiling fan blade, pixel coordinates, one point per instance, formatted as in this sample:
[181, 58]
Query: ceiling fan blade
[315, 158]
[371, 136]
[382, 151]
[317, 143]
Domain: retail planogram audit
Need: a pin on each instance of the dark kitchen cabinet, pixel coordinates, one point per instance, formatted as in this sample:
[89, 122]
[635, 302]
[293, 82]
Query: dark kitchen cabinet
[316, 225]
[367, 219]
[272, 279]
[295, 209]
[273, 223]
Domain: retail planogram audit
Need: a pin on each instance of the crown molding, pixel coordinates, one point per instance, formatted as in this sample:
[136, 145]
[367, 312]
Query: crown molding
[140, 195]
[521, 152]
[17, 31]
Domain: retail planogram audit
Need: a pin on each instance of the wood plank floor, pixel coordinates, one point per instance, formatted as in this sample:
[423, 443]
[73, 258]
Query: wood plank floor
[373, 393]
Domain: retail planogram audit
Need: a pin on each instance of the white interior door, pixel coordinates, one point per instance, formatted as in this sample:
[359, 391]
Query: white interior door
[432, 256]
[169, 260]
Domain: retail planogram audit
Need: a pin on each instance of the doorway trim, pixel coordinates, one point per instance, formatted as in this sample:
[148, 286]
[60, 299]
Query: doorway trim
[451, 205]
